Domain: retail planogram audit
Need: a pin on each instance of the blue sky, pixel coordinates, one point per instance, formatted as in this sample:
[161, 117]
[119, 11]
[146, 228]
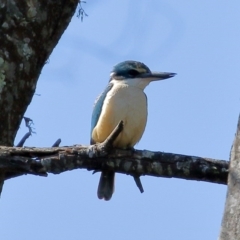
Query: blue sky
[193, 113]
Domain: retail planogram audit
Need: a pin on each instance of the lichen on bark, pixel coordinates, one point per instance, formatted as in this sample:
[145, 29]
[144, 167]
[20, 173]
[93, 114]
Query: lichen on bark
[29, 32]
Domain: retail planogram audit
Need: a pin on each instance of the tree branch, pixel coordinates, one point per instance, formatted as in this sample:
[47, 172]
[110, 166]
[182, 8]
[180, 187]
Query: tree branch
[16, 161]
[28, 124]
[56, 160]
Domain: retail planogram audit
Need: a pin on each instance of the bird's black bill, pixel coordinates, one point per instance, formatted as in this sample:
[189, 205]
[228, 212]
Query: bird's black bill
[158, 75]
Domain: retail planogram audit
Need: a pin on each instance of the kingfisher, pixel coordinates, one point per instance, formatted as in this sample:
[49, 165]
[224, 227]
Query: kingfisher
[122, 100]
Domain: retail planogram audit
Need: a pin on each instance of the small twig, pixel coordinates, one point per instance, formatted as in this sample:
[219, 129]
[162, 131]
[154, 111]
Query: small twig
[81, 13]
[108, 143]
[28, 124]
[22, 141]
[138, 183]
[57, 143]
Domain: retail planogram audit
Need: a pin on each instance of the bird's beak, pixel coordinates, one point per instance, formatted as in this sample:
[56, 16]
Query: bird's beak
[156, 76]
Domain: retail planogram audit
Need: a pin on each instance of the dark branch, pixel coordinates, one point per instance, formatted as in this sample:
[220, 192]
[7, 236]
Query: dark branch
[57, 143]
[108, 143]
[138, 183]
[23, 140]
[81, 12]
[28, 124]
[134, 163]
[16, 161]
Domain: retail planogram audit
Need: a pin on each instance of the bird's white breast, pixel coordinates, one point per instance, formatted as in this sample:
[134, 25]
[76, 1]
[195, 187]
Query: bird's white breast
[127, 103]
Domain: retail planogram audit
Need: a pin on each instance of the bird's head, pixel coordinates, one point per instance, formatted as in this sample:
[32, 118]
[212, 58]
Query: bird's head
[136, 73]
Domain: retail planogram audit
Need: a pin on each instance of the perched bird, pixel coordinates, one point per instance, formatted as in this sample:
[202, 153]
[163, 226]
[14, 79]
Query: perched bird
[123, 99]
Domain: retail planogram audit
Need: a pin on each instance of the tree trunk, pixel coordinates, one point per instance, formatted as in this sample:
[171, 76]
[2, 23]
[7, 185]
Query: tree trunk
[29, 32]
[231, 221]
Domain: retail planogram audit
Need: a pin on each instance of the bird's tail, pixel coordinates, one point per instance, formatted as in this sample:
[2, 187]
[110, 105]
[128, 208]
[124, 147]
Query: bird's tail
[106, 185]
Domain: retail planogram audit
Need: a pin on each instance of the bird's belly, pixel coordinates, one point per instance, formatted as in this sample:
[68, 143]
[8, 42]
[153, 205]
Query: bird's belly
[128, 104]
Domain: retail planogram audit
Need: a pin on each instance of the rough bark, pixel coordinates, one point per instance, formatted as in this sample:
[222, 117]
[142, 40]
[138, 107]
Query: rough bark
[29, 31]
[231, 222]
[40, 161]
[96, 157]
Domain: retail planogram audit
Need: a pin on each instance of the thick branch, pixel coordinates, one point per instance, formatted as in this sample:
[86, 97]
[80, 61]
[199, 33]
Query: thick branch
[131, 162]
[29, 32]
[231, 221]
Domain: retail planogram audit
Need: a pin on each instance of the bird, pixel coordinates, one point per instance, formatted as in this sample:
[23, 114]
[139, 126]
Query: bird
[122, 100]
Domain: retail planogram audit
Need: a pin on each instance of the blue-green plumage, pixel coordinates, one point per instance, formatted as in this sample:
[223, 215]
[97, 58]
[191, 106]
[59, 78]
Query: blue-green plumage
[98, 108]
[129, 69]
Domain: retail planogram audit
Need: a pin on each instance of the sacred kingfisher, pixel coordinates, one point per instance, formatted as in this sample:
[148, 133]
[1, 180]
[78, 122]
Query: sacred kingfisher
[122, 100]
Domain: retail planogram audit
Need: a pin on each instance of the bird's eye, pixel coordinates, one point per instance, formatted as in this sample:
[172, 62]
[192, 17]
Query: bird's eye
[133, 72]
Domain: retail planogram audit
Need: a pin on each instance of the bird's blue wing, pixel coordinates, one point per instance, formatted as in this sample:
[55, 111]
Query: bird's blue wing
[97, 109]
